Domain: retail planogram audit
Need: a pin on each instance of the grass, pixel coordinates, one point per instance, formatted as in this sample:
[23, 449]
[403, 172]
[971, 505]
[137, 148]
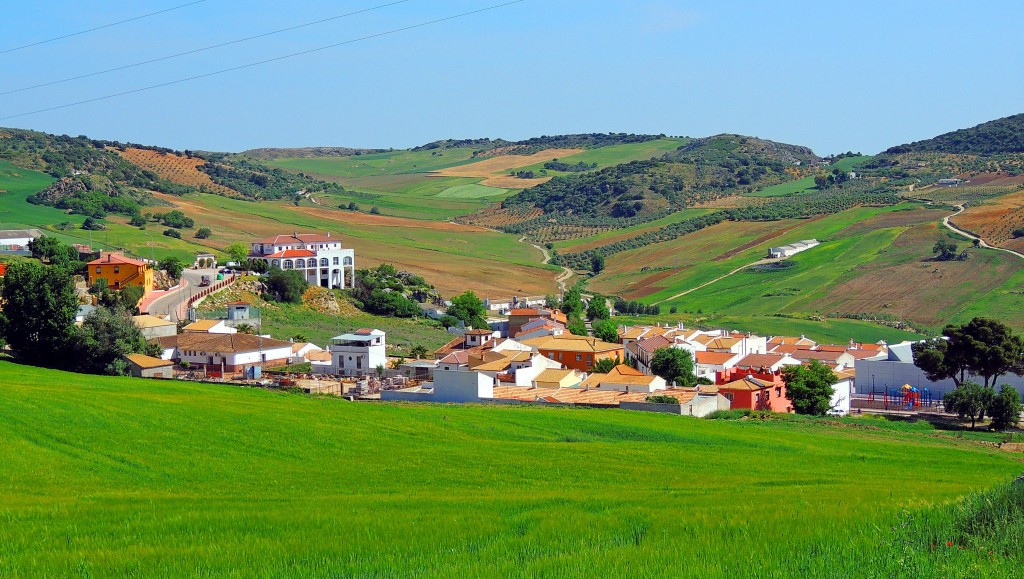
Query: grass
[573, 245]
[390, 163]
[806, 184]
[118, 476]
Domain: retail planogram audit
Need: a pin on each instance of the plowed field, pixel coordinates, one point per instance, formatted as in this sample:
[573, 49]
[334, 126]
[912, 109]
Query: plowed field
[996, 220]
[175, 168]
[494, 170]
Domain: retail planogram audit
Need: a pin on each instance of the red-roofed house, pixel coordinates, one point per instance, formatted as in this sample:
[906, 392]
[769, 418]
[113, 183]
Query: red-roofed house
[519, 317]
[320, 258]
[709, 364]
[120, 272]
[757, 391]
[834, 360]
[642, 351]
[765, 362]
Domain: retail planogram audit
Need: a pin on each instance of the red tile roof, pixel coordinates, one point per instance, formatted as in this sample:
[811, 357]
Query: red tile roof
[717, 358]
[817, 355]
[117, 258]
[292, 253]
[300, 238]
[759, 360]
[653, 343]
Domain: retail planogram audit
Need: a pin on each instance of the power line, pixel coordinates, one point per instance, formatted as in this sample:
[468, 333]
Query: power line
[261, 62]
[24, 46]
[211, 47]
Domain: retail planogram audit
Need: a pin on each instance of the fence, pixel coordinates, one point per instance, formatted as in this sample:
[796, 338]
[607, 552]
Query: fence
[185, 306]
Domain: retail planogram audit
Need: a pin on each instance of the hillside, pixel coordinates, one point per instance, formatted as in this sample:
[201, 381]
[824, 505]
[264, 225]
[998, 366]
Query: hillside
[1005, 135]
[269, 153]
[125, 477]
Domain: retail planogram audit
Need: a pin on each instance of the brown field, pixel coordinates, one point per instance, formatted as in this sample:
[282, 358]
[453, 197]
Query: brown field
[452, 273]
[996, 220]
[495, 218]
[921, 289]
[174, 168]
[494, 170]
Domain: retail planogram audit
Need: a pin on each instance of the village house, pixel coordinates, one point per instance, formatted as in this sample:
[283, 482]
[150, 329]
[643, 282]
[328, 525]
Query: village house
[154, 327]
[15, 241]
[447, 387]
[765, 362]
[623, 378]
[577, 352]
[357, 354]
[802, 341]
[121, 272]
[555, 379]
[709, 364]
[834, 360]
[519, 317]
[224, 353]
[540, 328]
[641, 352]
[319, 258]
[755, 390]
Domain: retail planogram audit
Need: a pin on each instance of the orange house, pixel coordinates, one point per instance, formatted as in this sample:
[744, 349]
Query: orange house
[576, 352]
[752, 390]
[121, 272]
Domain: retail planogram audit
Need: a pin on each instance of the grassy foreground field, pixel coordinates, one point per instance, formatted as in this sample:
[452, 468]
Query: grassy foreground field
[117, 477]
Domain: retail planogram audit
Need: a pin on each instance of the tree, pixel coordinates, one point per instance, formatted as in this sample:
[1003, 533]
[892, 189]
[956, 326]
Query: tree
[969, 401]
[1005, 408]
[597, 263]
[286, 285]
[419, 352]
[246, 329]
[470, 309]
[607, 331]
[674, 365]
[51, 250]
[107, 335]
[91, 224]
[572, 302]
[374, 210]
[172, 233]
[810, 387]
[38, 317]
[173, 266]
[352, 206]
[983, 347]
[256, 265]
[237, 251]
[661, 399]
[203, 233]
[551, 301]
[605, 365]
[576, 326]
[597, 309]
[944, 250]
[137, 221]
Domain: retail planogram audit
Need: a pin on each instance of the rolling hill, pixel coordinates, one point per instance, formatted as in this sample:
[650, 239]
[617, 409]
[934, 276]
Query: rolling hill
[681, 222]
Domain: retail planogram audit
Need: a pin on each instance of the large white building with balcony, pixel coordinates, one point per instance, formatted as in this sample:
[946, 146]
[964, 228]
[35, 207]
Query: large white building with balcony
[320, 258]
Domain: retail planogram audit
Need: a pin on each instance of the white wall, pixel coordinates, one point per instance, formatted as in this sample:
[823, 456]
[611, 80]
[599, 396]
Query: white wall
[891, 374]
[449, 387]
[842, 391]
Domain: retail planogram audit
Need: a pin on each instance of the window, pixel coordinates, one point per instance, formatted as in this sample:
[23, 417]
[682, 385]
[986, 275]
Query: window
[117, 269]
[300, 263]
[335, 261]
[579, 357]
[551, 355]
[99, 269]
[729, 396]
[348, 261]
[323, 262]
[287, 264]
[778, 392]
[276, 263]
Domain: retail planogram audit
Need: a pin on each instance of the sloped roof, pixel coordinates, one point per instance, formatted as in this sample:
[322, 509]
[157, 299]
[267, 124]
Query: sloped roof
[715, 358]
[570, 343]
[653, 343]
[148, 321]
[147, 362]
[201, 326]
[117, 259]
[291, 253]
[461, 358]
[747, 383]
[817, 355]
[758, 360]
[224, 343]
[299, 238]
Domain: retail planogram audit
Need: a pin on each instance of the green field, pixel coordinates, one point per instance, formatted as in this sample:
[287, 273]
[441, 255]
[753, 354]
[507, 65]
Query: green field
[615, 154]
[121, 477]
[391, 163]
[472, 191]
[806, 184]
[571, 245]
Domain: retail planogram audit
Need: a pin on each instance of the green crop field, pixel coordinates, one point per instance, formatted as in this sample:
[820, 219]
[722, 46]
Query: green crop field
[472, 191]
[806, 184]
[113, 477]
[391, 163]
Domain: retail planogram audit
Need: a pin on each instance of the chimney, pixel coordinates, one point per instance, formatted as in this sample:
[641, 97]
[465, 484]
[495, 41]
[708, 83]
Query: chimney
[328, 234]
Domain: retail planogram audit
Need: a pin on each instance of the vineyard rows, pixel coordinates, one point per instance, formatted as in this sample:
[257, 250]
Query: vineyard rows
[175, 168]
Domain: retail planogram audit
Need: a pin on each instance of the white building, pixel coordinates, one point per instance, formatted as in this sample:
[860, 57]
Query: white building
[320, 258]
[448, 386]
[792, 249]
[224, 352]
[17, 240]
[358, 353]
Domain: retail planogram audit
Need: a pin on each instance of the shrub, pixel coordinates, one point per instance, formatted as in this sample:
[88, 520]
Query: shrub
[203, 233]
[662, 399]
[91, 224]
[172, 233]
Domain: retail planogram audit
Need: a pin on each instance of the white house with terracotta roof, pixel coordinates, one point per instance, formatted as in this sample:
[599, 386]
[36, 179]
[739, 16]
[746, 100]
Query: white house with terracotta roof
[642, 351]
[209, 327]
[623, 378]
[540, 328]
[709, 364]
[448, 386]
[765, 362]
[320, 257]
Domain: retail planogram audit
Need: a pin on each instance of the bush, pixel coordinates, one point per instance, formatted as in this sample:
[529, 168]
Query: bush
[374, 210]
[662, 399]
[203, 233]
[1019, 232]
[137, 221]
[172, 233]
[286, 286]
[91, 224]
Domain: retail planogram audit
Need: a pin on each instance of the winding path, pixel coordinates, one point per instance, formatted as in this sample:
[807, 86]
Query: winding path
[719, 278]
[562, 277]
[981, 242]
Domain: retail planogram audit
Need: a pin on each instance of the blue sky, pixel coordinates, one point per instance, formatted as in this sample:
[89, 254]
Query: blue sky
[835, 77]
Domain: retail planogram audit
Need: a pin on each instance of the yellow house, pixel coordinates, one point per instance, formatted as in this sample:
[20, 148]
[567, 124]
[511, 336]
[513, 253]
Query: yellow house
[121, 272]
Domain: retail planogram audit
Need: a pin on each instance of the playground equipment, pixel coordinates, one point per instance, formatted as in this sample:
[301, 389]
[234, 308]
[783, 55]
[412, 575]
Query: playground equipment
[907, 396]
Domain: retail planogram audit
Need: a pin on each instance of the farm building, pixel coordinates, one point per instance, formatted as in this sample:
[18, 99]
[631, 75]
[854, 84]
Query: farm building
[142, 366]
[15, 241]
[154, 327]
[791, 249]
[950, 182]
